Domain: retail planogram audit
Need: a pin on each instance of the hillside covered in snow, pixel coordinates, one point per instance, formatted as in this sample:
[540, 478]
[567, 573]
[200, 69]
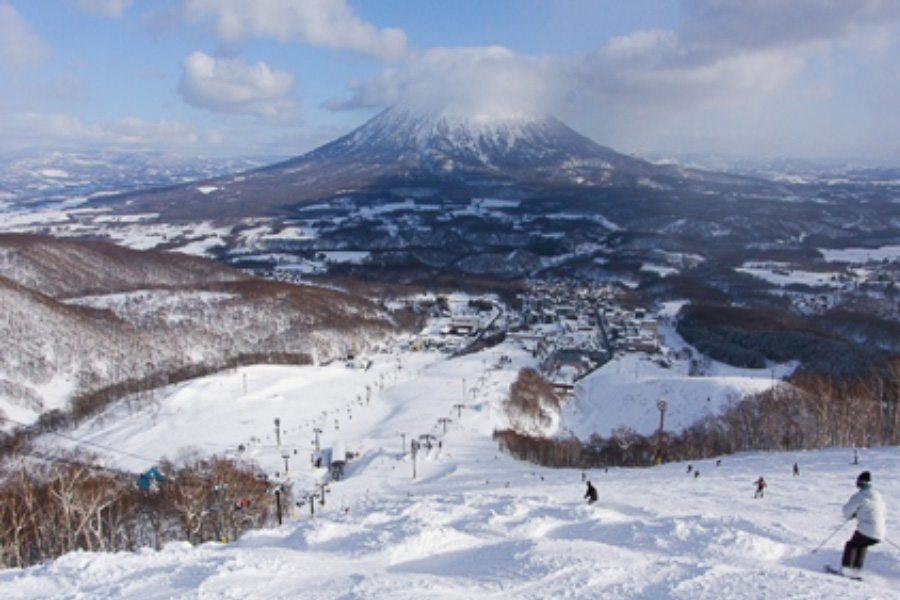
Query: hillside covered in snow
[85, 322]
[462, 519]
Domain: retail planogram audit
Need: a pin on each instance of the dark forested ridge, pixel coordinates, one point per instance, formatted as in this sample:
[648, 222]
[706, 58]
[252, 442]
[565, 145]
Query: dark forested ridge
[753, 337]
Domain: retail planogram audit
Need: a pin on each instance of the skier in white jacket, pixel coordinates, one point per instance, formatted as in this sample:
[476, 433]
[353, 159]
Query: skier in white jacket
[867, 507]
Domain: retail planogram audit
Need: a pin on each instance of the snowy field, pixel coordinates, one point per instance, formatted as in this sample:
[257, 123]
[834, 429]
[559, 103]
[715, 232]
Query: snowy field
[472, 522]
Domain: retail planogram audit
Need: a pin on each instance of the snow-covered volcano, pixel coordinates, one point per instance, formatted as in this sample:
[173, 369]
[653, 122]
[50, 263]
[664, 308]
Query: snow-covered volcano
[403, 146]
[448, 140]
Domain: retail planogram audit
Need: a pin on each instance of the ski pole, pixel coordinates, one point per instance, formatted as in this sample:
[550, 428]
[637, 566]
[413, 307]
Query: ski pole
[833, 533]
[892, 543]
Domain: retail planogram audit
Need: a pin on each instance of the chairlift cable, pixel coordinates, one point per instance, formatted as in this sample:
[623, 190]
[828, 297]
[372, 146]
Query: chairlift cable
[86, 442]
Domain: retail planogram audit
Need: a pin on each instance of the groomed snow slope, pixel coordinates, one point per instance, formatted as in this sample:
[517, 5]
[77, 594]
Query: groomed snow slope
[473, 523]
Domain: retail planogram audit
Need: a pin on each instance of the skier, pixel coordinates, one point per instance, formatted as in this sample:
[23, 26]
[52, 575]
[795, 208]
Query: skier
[591, 493]
[760, 488]
[796, 469]
[867, 507]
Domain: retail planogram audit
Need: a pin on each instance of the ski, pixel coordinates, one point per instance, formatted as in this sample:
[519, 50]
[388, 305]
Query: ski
[833, 571]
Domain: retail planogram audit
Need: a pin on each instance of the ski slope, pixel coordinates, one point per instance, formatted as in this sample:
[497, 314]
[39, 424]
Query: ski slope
[465, 521]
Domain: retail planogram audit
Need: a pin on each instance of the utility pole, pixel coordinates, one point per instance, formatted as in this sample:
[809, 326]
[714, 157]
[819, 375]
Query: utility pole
[459, 408]
[286, 456]
[317, 431]
[443, 421]
[278, 431]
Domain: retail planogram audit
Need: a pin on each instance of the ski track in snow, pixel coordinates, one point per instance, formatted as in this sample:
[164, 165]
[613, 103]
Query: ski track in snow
[473, 523]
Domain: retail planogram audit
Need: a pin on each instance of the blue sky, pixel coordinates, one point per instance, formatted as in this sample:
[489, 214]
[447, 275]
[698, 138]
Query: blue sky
[761, 78]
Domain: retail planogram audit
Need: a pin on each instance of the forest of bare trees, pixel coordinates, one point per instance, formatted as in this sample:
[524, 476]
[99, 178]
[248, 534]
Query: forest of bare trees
[51, 504]
[532, 402]
[808, 412]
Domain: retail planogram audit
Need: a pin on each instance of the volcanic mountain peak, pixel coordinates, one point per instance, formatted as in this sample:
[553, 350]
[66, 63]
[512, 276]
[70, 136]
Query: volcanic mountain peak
[494, 139]
[402, 145]
[462, 126]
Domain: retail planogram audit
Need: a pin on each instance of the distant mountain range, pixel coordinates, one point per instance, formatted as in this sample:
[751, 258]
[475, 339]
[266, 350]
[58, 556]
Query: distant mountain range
[509, 195]
[412, 196]
[437, 198]
[39, 179]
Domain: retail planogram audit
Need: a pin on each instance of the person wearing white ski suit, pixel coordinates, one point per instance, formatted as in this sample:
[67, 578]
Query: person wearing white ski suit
[867, 507]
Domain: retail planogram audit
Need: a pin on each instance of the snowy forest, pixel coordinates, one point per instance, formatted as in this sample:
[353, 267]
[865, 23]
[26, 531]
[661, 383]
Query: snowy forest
[89, 322]
[56, 505]
[809, 411]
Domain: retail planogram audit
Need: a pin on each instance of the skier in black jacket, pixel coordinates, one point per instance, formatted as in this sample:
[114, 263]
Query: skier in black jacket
[591, 493]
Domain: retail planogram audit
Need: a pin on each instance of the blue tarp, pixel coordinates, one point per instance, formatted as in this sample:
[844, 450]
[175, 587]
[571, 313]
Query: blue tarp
[151, 479]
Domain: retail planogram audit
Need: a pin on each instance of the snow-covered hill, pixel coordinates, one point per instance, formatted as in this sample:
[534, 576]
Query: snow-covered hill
[78, 317]
[464, 520]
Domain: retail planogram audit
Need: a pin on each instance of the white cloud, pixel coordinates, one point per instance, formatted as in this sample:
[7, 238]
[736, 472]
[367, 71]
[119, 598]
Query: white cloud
[491, 79]
[651, 81]
[20, 47]
[732, 71]
[748, 25]
[106, 8]
[330, 23]
[647, 69]
[133, 130]
[230, 85]
[36, 129]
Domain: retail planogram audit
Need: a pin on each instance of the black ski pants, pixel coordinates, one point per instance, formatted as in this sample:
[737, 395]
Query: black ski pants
[855, 550]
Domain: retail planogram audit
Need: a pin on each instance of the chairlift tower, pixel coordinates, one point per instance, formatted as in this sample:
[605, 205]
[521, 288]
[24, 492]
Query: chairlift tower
[662, 405]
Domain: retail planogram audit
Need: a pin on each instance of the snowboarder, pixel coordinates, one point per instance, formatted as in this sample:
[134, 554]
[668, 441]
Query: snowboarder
[867, 507]
[689, 469]
[591, 493]
[796, 469]
[760, 488]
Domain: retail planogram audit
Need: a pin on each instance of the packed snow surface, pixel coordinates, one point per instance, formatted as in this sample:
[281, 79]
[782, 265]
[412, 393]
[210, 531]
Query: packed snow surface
[472, 522]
